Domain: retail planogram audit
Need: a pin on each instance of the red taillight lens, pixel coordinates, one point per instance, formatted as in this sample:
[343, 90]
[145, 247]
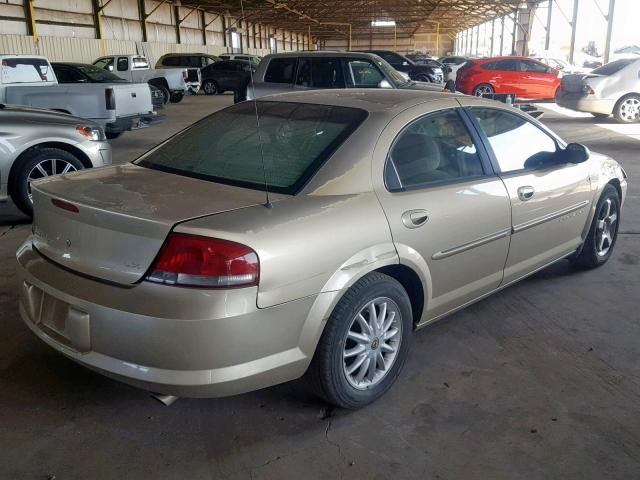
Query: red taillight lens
[194, 261]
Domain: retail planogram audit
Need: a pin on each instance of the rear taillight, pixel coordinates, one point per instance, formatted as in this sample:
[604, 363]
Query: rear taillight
[110, 99]
[587, 90]
[194, 261]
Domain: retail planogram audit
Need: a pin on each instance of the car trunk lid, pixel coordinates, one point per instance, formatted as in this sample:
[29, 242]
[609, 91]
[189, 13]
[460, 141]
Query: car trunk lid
[576, 83]
[110, 223]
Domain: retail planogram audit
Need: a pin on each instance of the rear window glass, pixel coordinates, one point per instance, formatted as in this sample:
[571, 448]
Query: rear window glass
[613, 67]
[294, 139]
[26, 70]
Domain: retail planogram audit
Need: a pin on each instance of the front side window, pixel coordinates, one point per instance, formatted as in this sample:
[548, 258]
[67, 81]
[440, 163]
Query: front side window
[303, 78]
[293, 142]
[123, 64]
[281, 70]
[362, 74]
[533, 67]
[516, 143]
[105, 63]
[434, 148]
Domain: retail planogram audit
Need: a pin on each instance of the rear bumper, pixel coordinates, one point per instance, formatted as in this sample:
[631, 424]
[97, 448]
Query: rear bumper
[585, 103]
[134, 122]
[176, 341]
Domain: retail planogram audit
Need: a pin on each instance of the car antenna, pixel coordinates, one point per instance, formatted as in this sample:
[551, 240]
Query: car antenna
[268, 203]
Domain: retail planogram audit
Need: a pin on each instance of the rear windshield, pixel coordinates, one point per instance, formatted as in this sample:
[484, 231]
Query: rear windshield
[293, 140]
[26, 70]
[613, 67]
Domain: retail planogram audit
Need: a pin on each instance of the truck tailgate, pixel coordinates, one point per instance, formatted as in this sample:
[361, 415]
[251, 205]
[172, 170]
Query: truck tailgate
[132, 99]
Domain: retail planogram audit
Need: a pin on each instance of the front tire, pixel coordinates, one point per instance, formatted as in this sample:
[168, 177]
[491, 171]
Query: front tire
[364, 344]
[166, 94]
[483, 90]
[112, 135]
[39, 163]
[627, 109]
[603, 231]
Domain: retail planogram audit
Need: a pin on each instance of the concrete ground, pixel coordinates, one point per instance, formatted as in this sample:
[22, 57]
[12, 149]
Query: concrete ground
[540, 381]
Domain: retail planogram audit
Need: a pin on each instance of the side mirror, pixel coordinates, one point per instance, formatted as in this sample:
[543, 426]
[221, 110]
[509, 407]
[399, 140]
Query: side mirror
[575, 153]
[384, 83]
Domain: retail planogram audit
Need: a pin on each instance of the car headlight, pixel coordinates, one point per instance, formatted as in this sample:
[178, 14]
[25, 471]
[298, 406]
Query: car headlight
[92, 133]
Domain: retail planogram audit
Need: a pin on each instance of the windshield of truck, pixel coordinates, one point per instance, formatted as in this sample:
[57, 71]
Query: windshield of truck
[99, 75]
[26, 70]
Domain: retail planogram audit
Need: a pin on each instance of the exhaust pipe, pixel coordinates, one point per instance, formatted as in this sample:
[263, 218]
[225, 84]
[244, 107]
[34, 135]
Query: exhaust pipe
[166, 400]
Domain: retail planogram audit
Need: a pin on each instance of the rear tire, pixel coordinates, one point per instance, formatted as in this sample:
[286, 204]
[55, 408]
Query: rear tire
[627, 109]
[338, 352]
[176, 97]
[31, 167]
[210, 87]
[166, 94]
[482, 90]
[603, 231]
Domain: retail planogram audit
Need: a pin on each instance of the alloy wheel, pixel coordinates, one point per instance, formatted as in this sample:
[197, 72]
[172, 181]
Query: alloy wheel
[483, 90]
[606, 227]
[630, 110]
[47, 168]
[372, 343]
[209, 88]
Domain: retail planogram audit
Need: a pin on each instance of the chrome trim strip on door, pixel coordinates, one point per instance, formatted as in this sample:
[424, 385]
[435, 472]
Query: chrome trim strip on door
[551, 216]
[472, 244]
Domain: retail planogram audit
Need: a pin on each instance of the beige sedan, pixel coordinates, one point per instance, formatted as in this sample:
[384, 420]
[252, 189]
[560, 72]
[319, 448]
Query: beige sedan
[239, 255]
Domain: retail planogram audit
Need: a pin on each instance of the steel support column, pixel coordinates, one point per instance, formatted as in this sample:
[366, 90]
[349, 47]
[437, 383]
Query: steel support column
[515, 32]
[30, 16]
[502, 34]
[493, 31]
[607, 45]
[547, 38]
[574, 21]
[176, 14]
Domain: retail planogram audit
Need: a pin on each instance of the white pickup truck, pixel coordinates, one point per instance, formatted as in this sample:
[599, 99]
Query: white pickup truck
[30, 81]
[135, 68]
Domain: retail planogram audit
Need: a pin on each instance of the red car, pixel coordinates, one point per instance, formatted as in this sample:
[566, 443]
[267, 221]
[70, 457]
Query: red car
[522, 76]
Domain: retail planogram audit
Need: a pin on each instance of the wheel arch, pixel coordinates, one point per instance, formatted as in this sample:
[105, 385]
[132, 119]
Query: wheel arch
[75, 151]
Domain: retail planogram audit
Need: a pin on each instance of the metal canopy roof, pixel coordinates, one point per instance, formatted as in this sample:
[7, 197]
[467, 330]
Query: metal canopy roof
[331, 18]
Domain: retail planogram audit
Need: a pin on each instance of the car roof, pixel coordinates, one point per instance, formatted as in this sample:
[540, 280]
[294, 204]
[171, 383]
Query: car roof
[317, 53]
[72, 64]
[391, 101]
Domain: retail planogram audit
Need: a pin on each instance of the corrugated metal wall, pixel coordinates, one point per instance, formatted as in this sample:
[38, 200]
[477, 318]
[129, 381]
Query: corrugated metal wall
[67, 30]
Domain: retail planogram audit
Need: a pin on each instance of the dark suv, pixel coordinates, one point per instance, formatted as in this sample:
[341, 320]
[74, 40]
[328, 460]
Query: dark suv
[429, 72]
[286, 72]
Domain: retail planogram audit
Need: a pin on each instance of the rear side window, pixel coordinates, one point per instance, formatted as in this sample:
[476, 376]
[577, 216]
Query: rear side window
[435, 148]
[281, 70]
[123, 64]
[26, 70]
[327, 73]
[294, 140]
[170, 61]
[505, 65]
[516, 143]
[534, 67]
[140, 62]
[69, 75]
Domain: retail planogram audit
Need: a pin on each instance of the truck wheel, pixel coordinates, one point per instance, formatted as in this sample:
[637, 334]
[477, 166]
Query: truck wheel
[112, 135]
[176, 97]
[166, 95]
[39, 163]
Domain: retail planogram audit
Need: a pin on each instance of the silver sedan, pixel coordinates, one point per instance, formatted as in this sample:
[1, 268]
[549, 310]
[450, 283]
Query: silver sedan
[38, 143]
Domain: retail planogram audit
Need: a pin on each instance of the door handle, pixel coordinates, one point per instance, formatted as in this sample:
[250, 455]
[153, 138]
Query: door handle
[415, 218]
[525, 193]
